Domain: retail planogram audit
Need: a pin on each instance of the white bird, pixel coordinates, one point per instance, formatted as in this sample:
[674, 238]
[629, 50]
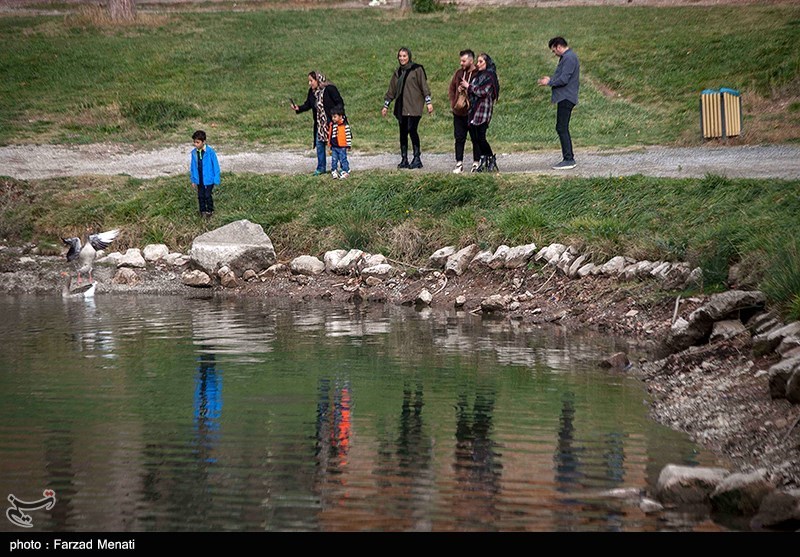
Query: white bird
[83, 256]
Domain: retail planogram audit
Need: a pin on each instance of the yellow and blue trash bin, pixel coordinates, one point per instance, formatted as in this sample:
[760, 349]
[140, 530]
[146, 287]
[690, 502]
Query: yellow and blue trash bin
[720, 113]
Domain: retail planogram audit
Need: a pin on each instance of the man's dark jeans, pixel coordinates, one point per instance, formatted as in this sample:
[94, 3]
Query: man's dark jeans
[460, 131]
[563, 115]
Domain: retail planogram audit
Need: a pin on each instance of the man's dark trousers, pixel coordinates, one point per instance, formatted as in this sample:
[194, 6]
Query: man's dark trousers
[563, 114]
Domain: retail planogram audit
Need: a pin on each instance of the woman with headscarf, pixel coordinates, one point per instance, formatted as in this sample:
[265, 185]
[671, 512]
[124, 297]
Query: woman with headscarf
[409, 90]
[483, 89]
[323, 96]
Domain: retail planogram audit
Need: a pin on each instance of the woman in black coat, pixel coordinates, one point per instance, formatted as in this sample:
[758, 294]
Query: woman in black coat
[322, 97]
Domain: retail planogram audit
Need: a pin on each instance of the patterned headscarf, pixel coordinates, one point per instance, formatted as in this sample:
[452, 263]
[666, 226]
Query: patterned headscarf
[322, 119]
[491, 69]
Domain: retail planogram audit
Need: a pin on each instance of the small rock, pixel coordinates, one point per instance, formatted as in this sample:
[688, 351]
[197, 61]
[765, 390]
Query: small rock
[228, 280]
[424, 297]
[618, 360]
[126, 275]
[196, 278]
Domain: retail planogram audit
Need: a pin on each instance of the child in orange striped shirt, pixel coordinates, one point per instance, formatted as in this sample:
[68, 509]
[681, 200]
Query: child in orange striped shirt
[340, 138]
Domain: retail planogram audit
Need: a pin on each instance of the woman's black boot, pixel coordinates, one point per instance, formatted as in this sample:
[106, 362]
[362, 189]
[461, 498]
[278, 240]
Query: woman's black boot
[482, 167]
[403, 159]
[491, 165]
[416, 162]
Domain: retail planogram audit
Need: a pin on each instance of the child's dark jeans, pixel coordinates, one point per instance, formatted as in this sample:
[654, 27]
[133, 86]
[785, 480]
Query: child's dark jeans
[205, 198]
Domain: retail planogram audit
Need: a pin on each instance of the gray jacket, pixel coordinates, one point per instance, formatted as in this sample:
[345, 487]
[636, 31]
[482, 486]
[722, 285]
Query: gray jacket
[565, 80]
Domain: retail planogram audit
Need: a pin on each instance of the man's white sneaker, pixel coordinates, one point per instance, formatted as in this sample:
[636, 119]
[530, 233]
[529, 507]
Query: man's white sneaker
[459, 168]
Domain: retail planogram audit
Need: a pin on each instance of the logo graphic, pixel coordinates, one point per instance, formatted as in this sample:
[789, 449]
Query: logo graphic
[15, 512]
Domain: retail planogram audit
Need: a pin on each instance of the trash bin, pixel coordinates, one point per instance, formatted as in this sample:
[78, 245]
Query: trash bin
[720, 113]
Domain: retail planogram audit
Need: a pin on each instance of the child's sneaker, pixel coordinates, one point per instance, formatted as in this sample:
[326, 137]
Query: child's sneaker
[334, 174]
[344, 175]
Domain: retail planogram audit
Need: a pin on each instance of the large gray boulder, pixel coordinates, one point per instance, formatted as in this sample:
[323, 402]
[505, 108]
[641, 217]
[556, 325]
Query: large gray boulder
[793, 387]
[741, 493]
[727, 305]
[780, 510]
[779, 375]
[765, 343]
[688, 485]
[240, 245]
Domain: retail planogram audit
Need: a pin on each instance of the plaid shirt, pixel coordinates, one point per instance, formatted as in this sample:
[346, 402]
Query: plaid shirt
[481, 99]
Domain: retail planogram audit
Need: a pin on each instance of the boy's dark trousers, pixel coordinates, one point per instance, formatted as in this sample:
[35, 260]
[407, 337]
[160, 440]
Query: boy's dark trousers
[205, 198]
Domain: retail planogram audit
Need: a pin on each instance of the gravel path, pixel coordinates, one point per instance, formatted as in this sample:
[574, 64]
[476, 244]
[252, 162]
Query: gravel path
[29, 162]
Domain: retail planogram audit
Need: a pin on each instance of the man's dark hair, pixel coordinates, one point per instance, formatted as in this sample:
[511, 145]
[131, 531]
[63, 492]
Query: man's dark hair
[199, 134]
[468, 52]
[557, 41]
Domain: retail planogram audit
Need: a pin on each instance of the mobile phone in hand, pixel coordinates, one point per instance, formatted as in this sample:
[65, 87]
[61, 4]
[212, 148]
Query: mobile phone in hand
[291, 101]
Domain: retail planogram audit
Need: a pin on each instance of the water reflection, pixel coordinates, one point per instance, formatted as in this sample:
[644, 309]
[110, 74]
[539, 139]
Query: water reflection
[224, 330]
[477, 465]
[207, 406]
[334, 426]
[569, 476]
[357, 418]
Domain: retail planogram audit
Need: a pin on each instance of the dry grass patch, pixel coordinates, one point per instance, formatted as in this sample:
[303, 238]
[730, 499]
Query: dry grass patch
[99, 17]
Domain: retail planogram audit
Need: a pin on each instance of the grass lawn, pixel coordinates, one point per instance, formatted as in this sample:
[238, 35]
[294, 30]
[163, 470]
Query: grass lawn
[72, 79]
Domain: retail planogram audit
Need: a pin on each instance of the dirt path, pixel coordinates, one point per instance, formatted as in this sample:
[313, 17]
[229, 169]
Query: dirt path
[30, 162]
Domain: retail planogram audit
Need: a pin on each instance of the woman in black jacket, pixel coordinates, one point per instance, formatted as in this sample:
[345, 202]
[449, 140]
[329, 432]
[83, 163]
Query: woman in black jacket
[322, 97]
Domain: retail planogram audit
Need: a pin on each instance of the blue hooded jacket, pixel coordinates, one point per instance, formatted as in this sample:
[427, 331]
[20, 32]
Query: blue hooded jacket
[211, 175]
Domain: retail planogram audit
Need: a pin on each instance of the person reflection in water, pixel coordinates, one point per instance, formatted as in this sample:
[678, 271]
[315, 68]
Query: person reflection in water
[207, 405]
[476, 466]
[334, 425]
[410, 449]
[568, 467]
[569, 474]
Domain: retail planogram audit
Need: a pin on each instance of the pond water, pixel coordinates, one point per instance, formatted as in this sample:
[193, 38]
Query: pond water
[174, 414]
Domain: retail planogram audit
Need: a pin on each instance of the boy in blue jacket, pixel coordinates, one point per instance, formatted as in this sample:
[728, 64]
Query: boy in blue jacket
[204, 172]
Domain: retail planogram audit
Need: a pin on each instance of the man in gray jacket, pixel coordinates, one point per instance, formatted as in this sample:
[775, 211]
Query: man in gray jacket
[564, 83]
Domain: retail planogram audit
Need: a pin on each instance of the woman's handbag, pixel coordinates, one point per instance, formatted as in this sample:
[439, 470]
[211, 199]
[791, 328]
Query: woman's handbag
[461, 105]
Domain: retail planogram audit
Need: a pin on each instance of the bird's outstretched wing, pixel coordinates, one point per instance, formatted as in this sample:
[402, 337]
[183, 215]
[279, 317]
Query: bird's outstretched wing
[102, 240]
[74, 247]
